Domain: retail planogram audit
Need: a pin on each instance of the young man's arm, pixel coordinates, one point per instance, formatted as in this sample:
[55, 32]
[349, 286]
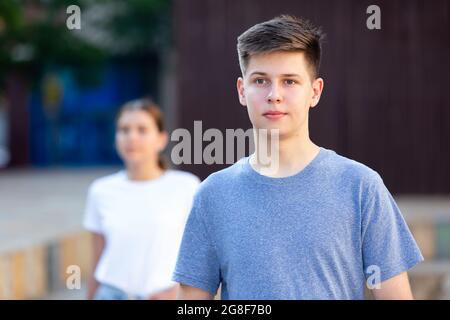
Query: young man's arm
[395, 288]
[186, 292]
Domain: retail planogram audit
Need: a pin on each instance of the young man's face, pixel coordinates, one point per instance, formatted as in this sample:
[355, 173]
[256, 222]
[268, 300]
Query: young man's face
[278, 90]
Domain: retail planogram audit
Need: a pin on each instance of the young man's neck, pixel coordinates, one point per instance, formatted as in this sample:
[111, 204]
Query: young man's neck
[294, 154]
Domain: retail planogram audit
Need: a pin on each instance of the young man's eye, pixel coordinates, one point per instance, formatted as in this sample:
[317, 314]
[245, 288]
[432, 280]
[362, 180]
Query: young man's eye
[260, 81]
[290, 82]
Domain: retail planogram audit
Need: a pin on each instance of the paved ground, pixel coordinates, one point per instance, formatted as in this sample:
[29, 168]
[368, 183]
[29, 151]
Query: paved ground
[38, 205]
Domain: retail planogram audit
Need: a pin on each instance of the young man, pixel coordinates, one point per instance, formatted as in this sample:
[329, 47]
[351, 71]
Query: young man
[316, 228]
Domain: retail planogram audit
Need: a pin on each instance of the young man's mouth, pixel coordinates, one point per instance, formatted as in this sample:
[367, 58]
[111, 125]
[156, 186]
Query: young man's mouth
[274, 114]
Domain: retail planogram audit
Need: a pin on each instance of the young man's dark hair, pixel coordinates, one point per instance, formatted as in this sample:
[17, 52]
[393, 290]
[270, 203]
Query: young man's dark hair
[307, 224]
[283, 33]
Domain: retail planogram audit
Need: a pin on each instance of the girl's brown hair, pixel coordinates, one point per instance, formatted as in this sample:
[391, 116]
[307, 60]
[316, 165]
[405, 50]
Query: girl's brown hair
[149, 106]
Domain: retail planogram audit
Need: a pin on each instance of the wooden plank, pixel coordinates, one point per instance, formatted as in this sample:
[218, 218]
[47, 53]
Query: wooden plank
[424, 234]
[85, 255]
[76, 249]
[5, 286]
[36, 272]
[18, 275]
[67, 256]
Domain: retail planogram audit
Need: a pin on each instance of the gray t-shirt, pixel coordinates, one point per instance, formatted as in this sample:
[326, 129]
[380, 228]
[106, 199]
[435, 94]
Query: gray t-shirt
[318, 234]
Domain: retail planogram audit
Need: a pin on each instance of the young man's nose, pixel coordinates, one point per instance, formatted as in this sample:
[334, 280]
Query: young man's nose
[274, 95]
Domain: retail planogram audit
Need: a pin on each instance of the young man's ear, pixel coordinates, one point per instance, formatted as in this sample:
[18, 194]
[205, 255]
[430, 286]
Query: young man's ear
[317, 86]
[240, 90]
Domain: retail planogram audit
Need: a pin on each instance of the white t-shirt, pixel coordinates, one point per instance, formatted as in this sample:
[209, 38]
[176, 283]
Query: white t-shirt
[143, 223]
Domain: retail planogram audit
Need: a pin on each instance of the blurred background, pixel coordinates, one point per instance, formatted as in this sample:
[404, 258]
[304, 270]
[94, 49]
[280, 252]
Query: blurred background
[385, 104]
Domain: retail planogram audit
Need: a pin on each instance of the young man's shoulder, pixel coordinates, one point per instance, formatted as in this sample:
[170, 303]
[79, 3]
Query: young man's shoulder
[225, 178]
[335, 165]
[347, 168]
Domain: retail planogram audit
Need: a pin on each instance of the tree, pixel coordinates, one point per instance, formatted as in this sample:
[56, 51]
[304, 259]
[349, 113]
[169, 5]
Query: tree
[34, 34]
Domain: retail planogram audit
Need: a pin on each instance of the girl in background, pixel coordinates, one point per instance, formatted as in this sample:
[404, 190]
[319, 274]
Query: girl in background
[137, 216]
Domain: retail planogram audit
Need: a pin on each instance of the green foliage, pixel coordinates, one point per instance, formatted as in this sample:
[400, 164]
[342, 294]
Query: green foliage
[144, 23]
[33, 34]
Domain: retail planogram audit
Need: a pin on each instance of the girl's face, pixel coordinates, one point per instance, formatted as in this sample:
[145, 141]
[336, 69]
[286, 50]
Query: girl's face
[137, 137]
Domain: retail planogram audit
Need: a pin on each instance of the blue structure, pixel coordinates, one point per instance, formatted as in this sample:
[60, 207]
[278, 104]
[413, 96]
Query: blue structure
[72, 125]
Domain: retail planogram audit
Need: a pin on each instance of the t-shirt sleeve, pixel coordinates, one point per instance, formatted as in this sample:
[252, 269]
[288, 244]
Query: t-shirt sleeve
[197, 264]
[92, 220]
[387, 243]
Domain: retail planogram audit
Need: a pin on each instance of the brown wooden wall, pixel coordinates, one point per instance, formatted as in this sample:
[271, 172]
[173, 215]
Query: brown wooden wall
[386, 100]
